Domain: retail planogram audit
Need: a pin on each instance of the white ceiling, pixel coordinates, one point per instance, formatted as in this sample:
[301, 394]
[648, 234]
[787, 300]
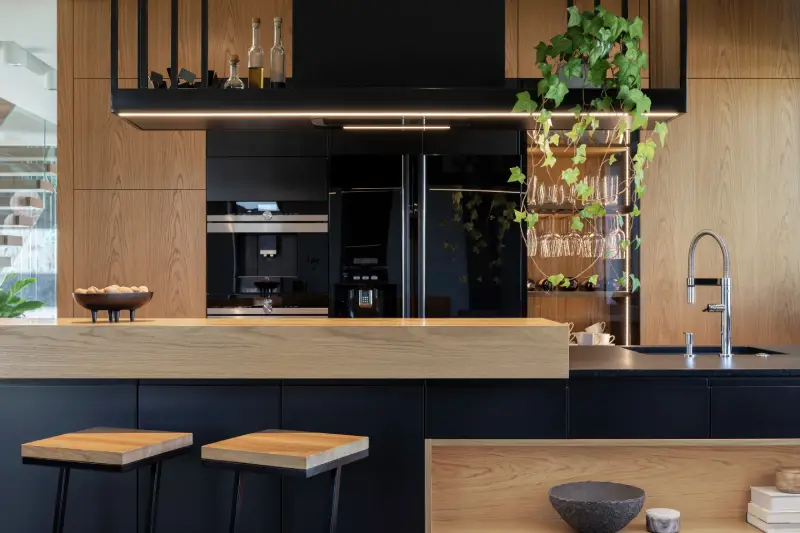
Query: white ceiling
[32, 25]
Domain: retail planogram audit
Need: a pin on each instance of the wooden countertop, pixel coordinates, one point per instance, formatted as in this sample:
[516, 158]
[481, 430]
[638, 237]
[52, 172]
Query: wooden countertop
[284, 348]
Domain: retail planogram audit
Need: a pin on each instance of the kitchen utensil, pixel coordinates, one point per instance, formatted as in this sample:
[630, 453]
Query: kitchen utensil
[113, 303]
[787, 479]
[597, 327]
[595, 506]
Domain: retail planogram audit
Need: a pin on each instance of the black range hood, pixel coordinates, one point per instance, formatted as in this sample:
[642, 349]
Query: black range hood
[411, 64]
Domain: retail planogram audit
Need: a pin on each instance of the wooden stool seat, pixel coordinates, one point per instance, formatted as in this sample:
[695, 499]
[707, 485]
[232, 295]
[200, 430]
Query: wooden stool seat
[106, 446]
[292, 450]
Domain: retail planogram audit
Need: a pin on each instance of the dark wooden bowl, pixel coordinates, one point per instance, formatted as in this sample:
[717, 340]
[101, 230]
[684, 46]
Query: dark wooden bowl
[113, 303]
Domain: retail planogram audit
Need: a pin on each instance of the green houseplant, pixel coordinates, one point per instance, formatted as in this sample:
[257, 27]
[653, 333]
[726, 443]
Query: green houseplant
[599, 50]
[11, 304]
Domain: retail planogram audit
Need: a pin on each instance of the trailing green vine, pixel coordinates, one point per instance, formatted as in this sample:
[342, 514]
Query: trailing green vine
[602, 51]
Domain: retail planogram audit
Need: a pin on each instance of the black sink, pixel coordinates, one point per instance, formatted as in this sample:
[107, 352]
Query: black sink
[698, 350]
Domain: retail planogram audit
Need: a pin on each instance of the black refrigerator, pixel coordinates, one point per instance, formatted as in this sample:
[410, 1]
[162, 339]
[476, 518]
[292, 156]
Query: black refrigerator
[422, 224]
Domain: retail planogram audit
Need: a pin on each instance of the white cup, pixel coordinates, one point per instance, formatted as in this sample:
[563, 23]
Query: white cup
[603, 339]
[597, 327]
[583, 338]
[571, 326]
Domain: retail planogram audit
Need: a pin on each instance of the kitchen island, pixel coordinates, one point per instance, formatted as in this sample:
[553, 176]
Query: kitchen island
[468, 420]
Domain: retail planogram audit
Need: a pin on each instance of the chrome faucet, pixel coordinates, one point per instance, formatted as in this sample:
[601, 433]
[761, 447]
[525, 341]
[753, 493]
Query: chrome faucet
[725, 285]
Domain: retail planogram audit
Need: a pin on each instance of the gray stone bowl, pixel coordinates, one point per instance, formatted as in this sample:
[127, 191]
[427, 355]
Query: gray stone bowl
[597, 506]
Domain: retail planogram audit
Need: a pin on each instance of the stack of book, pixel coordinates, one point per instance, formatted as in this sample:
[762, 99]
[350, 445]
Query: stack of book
[773, 511]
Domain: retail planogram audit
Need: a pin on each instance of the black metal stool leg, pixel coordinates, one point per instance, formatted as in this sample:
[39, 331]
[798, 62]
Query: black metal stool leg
[337, 474]
[152, 506]
[237, 500]
[61, 500]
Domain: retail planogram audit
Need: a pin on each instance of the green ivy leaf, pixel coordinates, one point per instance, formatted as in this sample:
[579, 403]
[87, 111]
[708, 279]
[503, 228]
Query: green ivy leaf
[524, 103]
[519, 216]
[637, 242]
[595, 210]
[516, 175]
[572, 68]
[593, 279]
[462, 279]
[639, 190]
[570, 175]
[636, 29]
[575, 18]
[612, 159]
[560, 44]
[565, 283]
[624, 245]
[577, 224]
[635, 283]
[635, 212]
[603, 104]
[620, 221]
[556, 279]
[532, 219]
[639, 121]
[661, 131]
[556, 92]
[554, 139]
[598, 71]
[549, 160]
[542, 51]
[580, 155]
[576, 111]
[583, 191]
[647, 150]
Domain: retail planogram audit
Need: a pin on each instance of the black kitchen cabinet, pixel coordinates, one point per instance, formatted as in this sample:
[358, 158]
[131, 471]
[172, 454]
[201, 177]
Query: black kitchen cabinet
[276, 143]
[755, 409]
[267, 179]
[98, 502]
[384, 492]
[195, 498]
[619, 408]
[529, 409]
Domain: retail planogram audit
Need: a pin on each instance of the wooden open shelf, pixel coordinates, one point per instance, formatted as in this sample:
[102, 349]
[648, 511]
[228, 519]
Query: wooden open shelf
[579, 294]
[687, 526]
[590, 150]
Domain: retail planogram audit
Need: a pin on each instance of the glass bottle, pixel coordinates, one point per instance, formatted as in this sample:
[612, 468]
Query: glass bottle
[234, 82]
[255, 59]
[277, 59]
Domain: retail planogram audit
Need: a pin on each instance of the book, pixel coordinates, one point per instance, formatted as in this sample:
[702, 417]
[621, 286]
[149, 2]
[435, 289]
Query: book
[774, 517]
[772, 499]
[772, 528]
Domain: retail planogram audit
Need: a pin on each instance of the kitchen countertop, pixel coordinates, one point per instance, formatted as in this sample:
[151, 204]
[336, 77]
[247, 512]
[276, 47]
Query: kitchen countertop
[284, 348]
[588, 361]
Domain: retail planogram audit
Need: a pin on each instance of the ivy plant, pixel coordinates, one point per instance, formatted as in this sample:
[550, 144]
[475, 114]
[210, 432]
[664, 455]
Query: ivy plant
[600, 50]
[11, 304]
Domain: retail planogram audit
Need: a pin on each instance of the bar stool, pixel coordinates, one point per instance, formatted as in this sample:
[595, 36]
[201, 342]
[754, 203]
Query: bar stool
[285, 452]
[110, 450]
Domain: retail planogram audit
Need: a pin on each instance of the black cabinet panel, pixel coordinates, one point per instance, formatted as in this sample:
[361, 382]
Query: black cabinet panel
[502, 410]
[376, 143]
[472, 142]
[195, 498]
[755, 412]
[267, 143]
[638, 408]
[384, 492]
[98, 502]
[261, 179]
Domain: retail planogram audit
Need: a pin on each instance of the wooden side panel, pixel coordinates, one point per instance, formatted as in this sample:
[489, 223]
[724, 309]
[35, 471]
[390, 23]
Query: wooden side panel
[512, 38]
[486, 484]
[732, 168]
[112, 154]
[66, 178]
[665, 26]
[744, 39]
[538, 21]
[229, 33]
[153, 238]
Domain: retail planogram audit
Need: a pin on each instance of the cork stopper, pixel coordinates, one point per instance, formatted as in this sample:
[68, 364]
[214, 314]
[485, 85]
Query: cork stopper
[234, 58]
[256, 20]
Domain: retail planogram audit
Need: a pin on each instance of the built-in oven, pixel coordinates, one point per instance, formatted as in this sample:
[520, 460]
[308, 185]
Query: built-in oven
[267, 259]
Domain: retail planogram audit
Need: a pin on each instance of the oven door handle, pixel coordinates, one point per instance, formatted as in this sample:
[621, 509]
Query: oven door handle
[267, 227]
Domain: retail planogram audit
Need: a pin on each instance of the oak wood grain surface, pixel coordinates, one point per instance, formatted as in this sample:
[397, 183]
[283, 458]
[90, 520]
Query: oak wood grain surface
[734, 171]
[276, 348]
[65, 139]
[525, 526]
[113, 154]
[109, 446]
[152, 238]
[298, 450]
[707, 483]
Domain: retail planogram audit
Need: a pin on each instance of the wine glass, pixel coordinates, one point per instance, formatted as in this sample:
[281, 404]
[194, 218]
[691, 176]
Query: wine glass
[611, 189]
[593, 242]
[532, 241]
[573, 242]
[533, 190]
[614, 249]
[546, 242]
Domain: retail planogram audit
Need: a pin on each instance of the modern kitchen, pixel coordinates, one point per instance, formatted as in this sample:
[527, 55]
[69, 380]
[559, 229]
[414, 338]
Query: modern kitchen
[427, 266]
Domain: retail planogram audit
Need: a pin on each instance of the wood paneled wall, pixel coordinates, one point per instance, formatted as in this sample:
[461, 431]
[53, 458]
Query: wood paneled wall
[732, 165]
